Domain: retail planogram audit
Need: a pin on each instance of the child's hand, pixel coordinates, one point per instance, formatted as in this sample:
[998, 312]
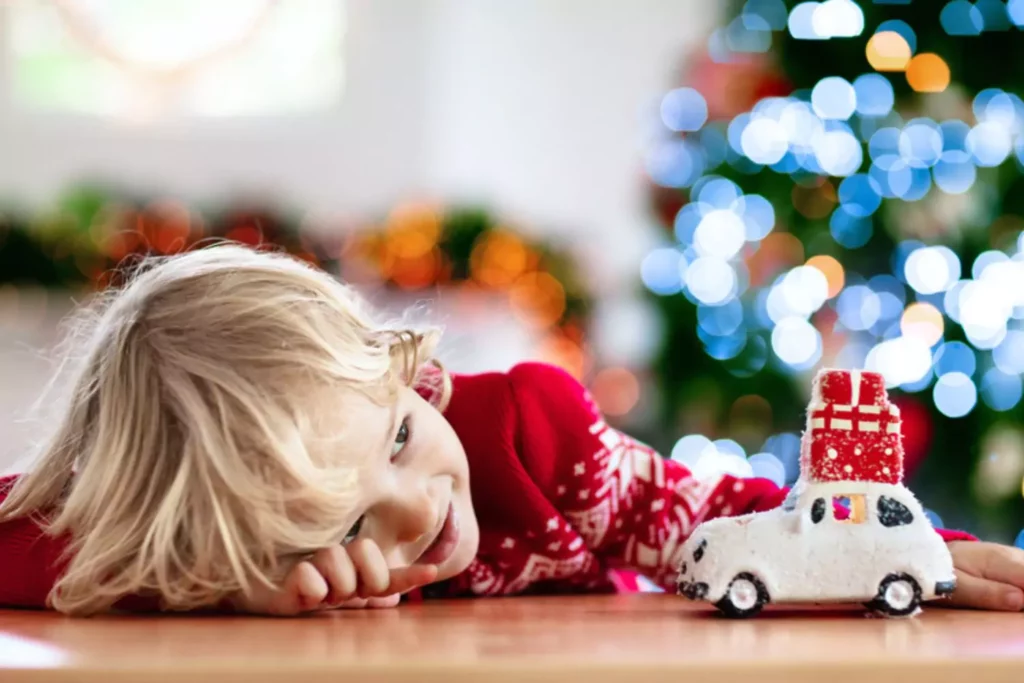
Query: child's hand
[351, 576]
[988, 576]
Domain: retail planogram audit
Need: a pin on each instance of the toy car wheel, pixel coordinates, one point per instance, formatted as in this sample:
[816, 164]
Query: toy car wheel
[899, 595]
[745, 597]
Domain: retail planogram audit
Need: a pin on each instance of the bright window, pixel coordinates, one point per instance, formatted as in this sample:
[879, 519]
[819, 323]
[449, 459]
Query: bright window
[851, 509]
[162, 59]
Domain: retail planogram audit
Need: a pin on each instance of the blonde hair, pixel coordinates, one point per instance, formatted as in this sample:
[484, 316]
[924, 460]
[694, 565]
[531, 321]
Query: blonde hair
[182, 464]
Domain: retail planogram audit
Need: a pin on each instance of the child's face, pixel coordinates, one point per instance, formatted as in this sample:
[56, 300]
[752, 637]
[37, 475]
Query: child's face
[413, 497]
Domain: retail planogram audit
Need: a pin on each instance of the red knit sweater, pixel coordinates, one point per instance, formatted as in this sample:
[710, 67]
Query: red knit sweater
[563, 500]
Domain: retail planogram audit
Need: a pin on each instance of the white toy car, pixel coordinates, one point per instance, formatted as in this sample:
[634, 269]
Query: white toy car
[837, 541]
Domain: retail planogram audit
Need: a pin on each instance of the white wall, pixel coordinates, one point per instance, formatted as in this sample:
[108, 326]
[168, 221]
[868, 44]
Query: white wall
[534, 107]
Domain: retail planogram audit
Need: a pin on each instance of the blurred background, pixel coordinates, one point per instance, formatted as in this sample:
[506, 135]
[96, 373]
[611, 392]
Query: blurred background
[690, 206]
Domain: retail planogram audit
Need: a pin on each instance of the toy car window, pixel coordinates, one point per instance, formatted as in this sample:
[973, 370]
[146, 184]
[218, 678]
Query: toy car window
[851, 509]
[818, 510]
[892, 513]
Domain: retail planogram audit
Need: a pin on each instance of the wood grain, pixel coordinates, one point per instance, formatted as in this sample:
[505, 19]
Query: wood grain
[596, 639]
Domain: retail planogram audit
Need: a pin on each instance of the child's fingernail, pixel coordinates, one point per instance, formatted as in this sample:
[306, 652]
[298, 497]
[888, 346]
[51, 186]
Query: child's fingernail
[1014, 600]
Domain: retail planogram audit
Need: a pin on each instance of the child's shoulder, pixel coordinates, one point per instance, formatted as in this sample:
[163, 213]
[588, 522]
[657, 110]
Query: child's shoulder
[529, 381]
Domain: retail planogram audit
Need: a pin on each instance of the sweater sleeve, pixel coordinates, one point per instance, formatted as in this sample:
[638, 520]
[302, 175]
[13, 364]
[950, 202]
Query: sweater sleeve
[633, 507]
[30, 559]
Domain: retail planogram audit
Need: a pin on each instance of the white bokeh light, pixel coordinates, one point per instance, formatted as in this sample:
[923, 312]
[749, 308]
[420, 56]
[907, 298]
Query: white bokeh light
[930, 270]
[795, 341]
[834, 97]
[984, 310]
[838, 152]
[764, 141]
[711, 280]
[838, 19]
[902, 360]
[720, 233]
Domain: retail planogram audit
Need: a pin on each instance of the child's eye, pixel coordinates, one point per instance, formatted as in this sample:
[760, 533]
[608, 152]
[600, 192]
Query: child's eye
[401, 438]
[354, 531]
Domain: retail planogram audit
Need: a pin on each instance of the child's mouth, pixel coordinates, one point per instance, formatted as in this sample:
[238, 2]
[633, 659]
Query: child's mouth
[445, 543]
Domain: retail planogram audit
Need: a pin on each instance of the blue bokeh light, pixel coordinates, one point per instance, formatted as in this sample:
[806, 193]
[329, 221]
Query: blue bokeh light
[662, 271]
[758, 216]
[684, 109]
[954, 135]
[955, 356]
[773, 12]
[920, 143]
[768, 466]
[675, 163]
[954, 175]
[748, 34]
[1009, 355]
[955, 394]
[859, 195]
[785, 447]
[1015, 10]
[859, 307]
[720, 321]
[874, 95]
[994, 14]
[1000, 391]
[848, 230]
[712, 140]
[717, 192]
[989, 143]
[961, 18]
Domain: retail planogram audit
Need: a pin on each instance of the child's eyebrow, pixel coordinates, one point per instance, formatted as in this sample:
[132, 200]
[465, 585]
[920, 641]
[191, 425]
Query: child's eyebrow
[392, 426]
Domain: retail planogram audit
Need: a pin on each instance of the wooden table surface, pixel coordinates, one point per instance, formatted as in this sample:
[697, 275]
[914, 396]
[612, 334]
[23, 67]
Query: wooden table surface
[593, 639]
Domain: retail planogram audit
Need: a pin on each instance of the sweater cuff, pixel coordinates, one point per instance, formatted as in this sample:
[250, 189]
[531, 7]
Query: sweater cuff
[949, 535]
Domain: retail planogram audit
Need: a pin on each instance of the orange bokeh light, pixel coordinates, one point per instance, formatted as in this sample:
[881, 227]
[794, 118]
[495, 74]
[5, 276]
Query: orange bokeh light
[498, 258]
[928, 72]
[923, 321]
[538, 299]
[888, 51]
[616, 390]
[816, 201]
[833, 272]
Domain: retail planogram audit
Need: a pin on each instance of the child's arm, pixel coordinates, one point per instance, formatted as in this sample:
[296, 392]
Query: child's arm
[30, 560]
[632, 507]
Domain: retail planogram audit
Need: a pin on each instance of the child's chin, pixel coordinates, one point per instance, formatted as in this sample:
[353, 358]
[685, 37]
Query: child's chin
[461, 558]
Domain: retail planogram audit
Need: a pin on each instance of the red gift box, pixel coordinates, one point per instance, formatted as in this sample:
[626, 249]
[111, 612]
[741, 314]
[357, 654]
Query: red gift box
[853, 431]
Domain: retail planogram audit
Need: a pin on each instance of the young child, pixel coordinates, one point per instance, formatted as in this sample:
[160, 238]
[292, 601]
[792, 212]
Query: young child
[239, 433]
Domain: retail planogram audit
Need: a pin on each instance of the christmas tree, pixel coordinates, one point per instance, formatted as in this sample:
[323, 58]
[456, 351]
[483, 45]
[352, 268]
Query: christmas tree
[841, 184]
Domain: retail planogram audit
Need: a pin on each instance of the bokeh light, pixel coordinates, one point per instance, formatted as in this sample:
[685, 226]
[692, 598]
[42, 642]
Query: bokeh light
[859, 195]
[922, 321]
[902, 28]
[1001, 391]
[961, 18]
[930, 270]
[616, 390]
[888, 51]
[955, 394]
[848, 230]
[768, 466]
[1008, 356]
[684, 109]
[989, 143]
[720, 233]
[773, 12]
[955, 356]
[900, 360]
[859, 307]
[662, 271]
[928, 72]
[710, 280]
[834, 97]
[796, 342]
[833, 272]
[873, 95]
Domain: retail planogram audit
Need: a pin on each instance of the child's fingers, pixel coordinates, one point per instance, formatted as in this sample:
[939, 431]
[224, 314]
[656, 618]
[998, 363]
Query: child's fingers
[404, 579]
[335, 565]
[303, 590]
[1004, 564]
[374, 575]
[972, 591]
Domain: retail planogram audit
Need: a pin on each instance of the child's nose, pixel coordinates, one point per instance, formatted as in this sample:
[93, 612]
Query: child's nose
[415, 516]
